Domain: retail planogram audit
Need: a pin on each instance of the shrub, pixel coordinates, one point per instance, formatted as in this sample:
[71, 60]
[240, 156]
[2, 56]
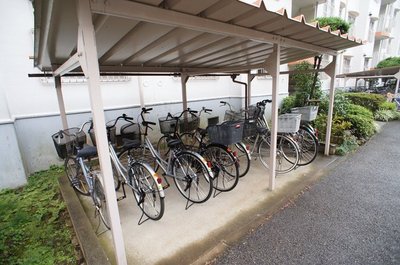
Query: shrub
[340, 105]
[358, 110]
[386, 115]
[388, 62]
[348, 145]
[362, 127]
[387, 106]
[287, 104]
[370, 101]
[336, 23]
[304, 83]
[339, 127]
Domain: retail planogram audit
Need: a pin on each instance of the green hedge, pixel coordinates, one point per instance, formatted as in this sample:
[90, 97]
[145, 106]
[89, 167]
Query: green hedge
[335, 23]
[388, 62]
[367, 100]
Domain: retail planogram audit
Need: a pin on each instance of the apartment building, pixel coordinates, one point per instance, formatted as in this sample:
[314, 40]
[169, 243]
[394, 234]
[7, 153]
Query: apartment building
[376, 22]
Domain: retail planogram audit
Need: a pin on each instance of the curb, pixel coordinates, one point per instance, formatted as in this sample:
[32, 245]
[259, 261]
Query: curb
[88, 242]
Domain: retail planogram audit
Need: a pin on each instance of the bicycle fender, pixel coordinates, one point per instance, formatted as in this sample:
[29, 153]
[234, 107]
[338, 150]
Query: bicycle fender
[201, 159]
[155, 176]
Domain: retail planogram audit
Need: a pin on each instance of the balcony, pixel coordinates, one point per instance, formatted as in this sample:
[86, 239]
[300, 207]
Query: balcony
[382, 35]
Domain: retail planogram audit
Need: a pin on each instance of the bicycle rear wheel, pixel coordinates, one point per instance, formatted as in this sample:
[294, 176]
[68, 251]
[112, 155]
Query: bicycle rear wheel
[191, 177]
[287, 153]
[147, 191]
[99, 199]
[308, 145]
[190, 141]
[242, 156]
[162, 147]
[223, 165]
[75, 176]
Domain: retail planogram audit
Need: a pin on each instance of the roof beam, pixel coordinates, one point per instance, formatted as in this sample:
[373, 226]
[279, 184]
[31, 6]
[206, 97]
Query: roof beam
[142, 12]
[45, 37]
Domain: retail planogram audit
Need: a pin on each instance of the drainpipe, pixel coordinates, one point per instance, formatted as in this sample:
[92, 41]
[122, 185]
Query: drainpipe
[245, 90]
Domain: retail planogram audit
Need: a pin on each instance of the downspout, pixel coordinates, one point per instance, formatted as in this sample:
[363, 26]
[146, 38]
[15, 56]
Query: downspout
[245, 90]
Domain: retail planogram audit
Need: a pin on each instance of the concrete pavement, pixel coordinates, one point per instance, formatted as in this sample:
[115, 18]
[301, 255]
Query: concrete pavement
[352, 216]
[198, 234]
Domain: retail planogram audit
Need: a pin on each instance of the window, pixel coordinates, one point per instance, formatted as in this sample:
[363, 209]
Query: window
[346, 64]
[367, 63]
[371, 30]
[352, 20]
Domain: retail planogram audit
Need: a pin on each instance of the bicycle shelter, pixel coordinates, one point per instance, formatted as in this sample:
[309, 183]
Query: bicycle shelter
[187, 37]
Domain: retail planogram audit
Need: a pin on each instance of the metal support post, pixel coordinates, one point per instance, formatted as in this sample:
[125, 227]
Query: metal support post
[331, 71]
[272, 67]
[141, 97]
[89, 61]
[60, 98]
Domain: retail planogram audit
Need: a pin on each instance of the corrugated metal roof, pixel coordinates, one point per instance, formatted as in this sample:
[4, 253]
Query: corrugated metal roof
[180, 35]
[387, 71]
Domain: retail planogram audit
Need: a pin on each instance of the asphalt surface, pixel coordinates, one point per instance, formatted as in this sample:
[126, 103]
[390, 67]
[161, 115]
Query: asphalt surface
[352, 216]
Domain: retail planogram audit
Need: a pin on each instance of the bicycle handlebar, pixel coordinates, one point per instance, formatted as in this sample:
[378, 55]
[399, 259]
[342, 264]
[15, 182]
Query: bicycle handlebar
[123, 116]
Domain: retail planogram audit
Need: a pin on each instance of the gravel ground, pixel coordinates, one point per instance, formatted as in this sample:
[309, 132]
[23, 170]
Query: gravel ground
[352, 216]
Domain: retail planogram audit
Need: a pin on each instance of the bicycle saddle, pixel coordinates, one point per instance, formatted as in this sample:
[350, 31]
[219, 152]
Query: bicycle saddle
[87, 151]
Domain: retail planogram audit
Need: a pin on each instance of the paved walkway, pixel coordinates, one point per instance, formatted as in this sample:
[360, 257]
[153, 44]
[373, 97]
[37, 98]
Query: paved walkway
[352, 216]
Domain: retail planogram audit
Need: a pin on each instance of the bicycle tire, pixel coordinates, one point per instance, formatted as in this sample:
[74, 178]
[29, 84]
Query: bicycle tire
[191, 177]
[223, 165]
[162, 147]
[242, 156]
[308, 145]
[147, 192]
[99, 199]
[287, 153]
[75, 176]
[141, 154]
[190, 141]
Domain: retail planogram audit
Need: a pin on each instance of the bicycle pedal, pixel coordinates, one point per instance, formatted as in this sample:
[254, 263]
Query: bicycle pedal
[166, 186]
[121, 198]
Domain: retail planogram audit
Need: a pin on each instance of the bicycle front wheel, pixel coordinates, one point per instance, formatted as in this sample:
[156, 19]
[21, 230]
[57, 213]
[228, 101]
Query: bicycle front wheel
[99, 199]
[75, 176]
[146, 190]
[287, 153]
[190, 141]
[191, 177]
[223, 165]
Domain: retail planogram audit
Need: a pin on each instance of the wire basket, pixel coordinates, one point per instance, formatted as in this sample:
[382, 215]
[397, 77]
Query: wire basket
[253, 112]
[129, 131]
[227, 133]
[168, 125]
[308, 113]
[250, 128]
[289, 123]
[66, 142]
[233, 115]
[111, 136]
[189, 124]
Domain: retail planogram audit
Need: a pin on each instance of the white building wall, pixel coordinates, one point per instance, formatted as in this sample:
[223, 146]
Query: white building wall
[29, 112]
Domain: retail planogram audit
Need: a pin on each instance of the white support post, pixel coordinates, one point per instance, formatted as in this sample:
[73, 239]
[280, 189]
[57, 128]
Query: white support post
[331, 71]
[184, 79]
[60, 98]
[272, 67]
[89, 58]
[141, 97]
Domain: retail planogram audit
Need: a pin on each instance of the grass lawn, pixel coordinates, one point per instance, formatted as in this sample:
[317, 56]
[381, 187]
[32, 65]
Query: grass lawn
[32, 223]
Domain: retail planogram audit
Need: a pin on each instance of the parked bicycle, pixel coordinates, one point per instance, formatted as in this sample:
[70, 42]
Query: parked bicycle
[70, 145]
[145, 184]
[219, 157]
[256, 141]
[189, 170]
